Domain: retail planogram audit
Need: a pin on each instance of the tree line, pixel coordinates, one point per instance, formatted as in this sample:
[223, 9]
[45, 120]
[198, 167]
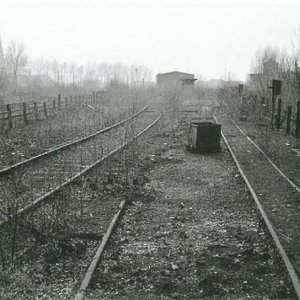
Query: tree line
[20, 75]
[280, 64]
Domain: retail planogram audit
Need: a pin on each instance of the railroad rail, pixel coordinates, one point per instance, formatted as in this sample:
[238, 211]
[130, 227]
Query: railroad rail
[268, 159]
[257, 170]
[55, 150]
[32, 181]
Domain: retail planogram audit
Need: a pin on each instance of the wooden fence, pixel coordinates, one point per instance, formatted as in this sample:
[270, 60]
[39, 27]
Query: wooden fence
[288, 119]
[277, 117]
[12, 115]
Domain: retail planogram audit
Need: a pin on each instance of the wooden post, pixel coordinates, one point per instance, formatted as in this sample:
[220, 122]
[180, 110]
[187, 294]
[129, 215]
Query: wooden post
[71, 100]
[25, 120]
[276, 90]
[53, 104]
[288, 120]
[94, 98]
[9, 118]
[66, 100]
[278, 119]
[36, 110]
[298, 120]
[58, 102]
[45, 109]
[273, 110]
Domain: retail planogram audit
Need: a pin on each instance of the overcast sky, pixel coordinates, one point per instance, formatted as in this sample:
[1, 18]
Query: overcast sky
[198, 36]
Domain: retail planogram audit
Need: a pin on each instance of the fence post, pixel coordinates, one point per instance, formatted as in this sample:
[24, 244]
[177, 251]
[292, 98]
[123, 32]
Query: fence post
[53, 105]
[288, 120]
[9, 118]
[45, 109]
[278, 119]
[36, 112]
[58, 102]
[71, 100]
[25, 120]
[94, 98]
[66, 100]
[298, 120]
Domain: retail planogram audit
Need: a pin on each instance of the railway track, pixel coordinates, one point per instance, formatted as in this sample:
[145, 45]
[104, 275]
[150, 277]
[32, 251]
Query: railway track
[253, 168]
[272, 205]
[56, 166]
[277, 197]
[27, 185]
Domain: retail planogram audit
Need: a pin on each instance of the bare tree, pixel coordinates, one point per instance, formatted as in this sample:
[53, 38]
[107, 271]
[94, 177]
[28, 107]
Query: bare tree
[3, 75]
[15, 60]
[295, 61]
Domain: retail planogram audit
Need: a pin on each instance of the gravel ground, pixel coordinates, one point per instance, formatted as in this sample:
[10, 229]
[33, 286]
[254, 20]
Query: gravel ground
[198, 238]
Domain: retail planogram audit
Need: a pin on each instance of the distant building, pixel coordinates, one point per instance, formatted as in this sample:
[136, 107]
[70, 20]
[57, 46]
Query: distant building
[262, 80]
[177, 80]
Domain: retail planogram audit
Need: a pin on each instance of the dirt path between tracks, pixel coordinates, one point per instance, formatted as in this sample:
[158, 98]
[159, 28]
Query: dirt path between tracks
[198, 237]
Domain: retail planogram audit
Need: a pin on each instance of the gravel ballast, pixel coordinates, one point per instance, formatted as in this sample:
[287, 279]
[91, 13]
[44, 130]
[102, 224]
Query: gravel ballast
[198, 237]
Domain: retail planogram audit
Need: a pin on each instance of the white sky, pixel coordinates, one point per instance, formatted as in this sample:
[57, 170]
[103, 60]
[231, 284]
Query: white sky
[198, 36]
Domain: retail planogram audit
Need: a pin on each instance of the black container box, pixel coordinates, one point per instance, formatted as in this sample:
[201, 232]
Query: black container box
[204, 137]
